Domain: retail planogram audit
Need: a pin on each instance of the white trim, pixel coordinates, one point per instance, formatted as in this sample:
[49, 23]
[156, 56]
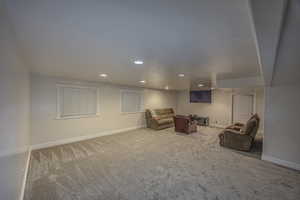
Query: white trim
[281, 162]
[254, 34]
[252, 94]
[128, 113]
[77, 117]
[217, 126]
[84, 137]
[25, 175]
[279, 35]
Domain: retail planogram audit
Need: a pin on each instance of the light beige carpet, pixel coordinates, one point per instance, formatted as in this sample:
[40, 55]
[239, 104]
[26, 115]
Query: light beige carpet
[155, 165]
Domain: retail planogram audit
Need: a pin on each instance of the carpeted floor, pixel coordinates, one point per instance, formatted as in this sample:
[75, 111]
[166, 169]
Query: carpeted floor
[155, 165]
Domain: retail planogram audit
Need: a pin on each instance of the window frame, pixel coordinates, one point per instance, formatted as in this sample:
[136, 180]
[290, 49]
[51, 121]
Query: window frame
[140, 92]
[59, 115]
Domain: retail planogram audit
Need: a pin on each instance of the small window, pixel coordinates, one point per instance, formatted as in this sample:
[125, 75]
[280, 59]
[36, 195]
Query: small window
[76, 101]
[131, 101]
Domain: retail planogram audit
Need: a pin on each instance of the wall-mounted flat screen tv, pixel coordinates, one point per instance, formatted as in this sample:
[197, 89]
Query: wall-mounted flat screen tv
[201, 96]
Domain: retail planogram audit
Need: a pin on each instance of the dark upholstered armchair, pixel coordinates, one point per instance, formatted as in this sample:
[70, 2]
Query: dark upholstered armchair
[159, 118]
[184, 124]
[238, 126]
[239, 136]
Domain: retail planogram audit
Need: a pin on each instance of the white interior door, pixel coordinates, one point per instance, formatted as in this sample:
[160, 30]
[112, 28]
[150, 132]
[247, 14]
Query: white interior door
[242, 108]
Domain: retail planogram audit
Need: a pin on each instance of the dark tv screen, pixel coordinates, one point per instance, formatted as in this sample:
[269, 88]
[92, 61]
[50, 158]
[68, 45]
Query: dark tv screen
[203, 96]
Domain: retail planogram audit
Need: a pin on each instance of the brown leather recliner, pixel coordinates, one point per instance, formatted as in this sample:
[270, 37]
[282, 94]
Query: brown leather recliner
[184, 124]
[159, 118]
[239, 136]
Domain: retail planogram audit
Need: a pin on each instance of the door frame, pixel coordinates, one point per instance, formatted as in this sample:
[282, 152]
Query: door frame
[253, 94]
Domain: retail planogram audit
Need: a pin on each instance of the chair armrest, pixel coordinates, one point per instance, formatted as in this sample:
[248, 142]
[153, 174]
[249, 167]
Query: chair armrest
[232, 131]
[233, 127]
[156, 118]
[235, 139]
[238, 124]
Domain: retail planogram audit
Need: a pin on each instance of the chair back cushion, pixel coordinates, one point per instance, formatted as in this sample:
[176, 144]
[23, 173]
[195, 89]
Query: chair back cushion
[162, 113]
[252, 125]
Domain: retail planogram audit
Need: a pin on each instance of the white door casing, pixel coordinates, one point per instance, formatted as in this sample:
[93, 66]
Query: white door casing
[242, 107]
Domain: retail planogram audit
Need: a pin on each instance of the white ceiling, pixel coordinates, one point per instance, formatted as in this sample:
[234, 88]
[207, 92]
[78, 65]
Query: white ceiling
[80, 39]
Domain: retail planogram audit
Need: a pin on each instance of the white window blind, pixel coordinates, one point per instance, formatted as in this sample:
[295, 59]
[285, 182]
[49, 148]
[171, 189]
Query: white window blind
[76, 101]
[131, 101]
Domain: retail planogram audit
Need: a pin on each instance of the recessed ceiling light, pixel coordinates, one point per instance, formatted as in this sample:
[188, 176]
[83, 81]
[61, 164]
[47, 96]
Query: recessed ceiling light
[103, 75]
[142, 81]
[181, 75]
[200, 85]
[138, 62]
[167, 87]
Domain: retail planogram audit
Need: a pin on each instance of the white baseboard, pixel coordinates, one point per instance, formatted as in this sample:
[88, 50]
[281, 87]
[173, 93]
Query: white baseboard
[25, 175]
[217, 125]
[80, 138]
[281, 162]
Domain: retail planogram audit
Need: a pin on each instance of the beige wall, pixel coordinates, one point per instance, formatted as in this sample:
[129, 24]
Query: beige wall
[14, 113]
[282, 119]
[220, 110]
[282, 135]
[45, 128]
